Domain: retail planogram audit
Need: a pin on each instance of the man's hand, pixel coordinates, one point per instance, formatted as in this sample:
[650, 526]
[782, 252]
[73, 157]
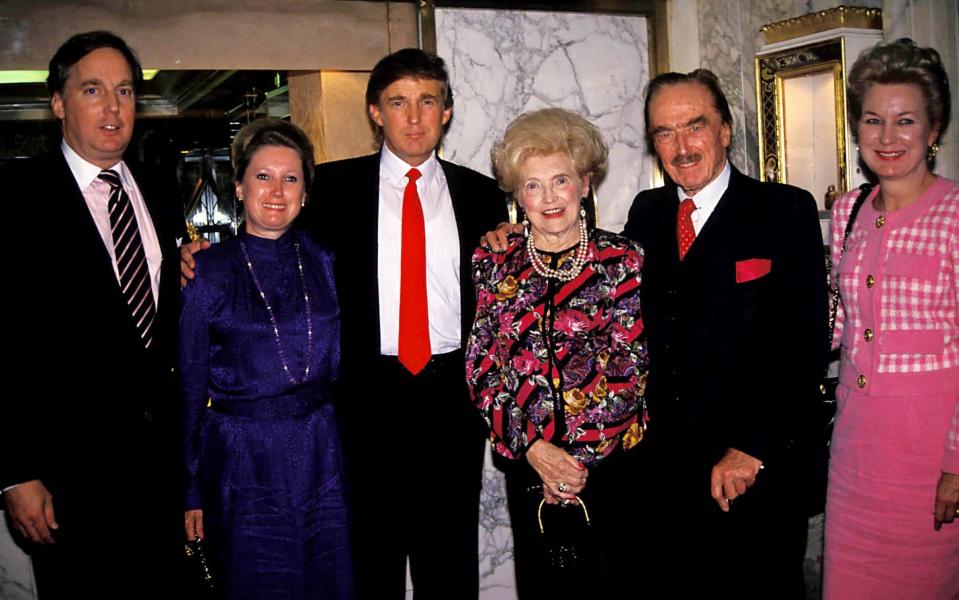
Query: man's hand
[186, 258]
[947, 499]
[193, 523]
[496, 240]
[732, 475]
[562, 475]
[30, 507]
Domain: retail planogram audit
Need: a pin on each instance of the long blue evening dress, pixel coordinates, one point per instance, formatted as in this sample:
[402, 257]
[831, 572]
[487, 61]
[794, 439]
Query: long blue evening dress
[263, 453]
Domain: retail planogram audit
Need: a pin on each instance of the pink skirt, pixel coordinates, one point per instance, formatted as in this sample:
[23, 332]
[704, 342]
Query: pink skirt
[885, 463]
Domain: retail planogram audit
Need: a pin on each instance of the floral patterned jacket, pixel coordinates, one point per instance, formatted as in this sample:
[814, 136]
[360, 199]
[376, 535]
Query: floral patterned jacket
[560, 361]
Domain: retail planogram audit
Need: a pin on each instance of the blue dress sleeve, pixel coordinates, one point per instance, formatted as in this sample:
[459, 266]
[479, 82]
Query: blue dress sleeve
[194, 343]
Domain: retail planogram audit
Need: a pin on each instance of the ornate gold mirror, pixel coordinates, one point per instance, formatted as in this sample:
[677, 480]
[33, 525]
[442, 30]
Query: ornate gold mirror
[802, 119]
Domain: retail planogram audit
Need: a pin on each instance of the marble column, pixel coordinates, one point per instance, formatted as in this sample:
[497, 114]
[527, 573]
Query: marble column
[16, 570]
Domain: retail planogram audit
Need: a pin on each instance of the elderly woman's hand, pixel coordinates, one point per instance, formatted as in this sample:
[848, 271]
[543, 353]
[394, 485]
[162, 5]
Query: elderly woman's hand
[496, 240]
[562, 475]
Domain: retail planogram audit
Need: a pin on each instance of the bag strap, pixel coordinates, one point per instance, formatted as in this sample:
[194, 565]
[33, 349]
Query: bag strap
[539, 512]
[864, 191]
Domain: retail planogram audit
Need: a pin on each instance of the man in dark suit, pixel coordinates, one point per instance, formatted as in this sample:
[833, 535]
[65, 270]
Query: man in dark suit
[91, 455]
[414, 441]
[734, 302]
[404, 224]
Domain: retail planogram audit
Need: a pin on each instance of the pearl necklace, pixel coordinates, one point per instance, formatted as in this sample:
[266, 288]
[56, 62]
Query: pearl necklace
[578, 262]
[269, 311]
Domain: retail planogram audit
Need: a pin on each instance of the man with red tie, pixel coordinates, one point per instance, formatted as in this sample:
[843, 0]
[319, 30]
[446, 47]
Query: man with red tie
[404, 224]
[734, 300]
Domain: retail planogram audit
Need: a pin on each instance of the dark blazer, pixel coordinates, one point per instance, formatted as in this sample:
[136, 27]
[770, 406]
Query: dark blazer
[101, 411]
[733, 364]
[343, 210]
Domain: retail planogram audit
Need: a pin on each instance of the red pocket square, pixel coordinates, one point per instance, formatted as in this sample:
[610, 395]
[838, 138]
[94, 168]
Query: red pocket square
[753, 268]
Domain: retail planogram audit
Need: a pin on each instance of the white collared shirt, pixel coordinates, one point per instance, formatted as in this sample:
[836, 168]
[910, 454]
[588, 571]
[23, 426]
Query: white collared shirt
[85, 174]
[707, 198]
[442, 253]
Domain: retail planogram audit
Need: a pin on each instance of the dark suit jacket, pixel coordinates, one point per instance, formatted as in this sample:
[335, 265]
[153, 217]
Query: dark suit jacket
[343, 210]
[733, 364]
[100, 408]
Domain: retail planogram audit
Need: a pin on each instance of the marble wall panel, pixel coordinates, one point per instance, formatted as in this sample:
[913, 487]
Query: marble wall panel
[503, 63]
[16, 570]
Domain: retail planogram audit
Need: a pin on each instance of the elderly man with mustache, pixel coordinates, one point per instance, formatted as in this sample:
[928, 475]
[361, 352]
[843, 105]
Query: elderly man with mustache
[734, 299]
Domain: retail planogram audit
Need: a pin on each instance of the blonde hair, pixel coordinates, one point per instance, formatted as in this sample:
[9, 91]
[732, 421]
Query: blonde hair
[544, 132]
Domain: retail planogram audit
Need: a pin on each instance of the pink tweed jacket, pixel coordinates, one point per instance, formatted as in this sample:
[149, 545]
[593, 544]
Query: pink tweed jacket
[898, 322]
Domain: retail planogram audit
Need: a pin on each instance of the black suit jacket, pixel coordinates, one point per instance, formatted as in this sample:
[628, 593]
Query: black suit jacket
[100, 407]
[733, 364]
[343, 211]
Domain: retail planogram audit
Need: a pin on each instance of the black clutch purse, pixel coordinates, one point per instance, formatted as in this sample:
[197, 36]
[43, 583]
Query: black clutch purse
[199, 576]
[570, 542]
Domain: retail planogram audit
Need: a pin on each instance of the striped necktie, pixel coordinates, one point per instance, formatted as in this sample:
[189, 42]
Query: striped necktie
[131, 259]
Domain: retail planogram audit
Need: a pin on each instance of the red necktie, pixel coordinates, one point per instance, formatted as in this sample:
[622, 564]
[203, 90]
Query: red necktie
[414, 342]
[685, 232]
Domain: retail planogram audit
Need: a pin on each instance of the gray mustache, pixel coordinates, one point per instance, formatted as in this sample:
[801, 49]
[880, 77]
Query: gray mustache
[686, 159]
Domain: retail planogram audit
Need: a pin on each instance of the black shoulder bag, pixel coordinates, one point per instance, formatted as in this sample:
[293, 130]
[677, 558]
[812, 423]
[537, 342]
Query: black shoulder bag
[827, 388]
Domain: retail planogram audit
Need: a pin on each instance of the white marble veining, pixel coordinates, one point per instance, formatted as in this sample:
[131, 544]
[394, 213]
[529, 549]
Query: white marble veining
[16, 570]
[503, 63]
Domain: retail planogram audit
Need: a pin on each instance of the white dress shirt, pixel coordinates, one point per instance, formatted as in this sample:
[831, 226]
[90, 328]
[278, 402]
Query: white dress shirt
[86, 174]
[707, 198]
[442, 253]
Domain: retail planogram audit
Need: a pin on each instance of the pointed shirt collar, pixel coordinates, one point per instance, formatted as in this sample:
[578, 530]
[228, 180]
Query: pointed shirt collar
[85, 172]
[395, 168]
[707, 198]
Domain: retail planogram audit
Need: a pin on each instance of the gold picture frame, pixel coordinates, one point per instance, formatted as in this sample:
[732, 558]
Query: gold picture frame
[803, 136]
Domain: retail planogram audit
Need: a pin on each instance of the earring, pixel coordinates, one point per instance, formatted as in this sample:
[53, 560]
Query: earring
[932, 152]
[525, 227]
[582, 212]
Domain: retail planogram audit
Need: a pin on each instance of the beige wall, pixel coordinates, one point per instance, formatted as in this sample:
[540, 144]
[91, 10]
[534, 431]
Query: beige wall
[215, 34]
[337, 41]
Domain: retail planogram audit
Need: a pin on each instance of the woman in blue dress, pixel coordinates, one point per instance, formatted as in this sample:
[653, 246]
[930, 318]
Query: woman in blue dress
[259, 348]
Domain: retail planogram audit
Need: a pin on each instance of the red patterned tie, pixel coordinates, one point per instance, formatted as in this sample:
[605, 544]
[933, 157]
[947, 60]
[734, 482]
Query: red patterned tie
[685, 232]
[414, 342]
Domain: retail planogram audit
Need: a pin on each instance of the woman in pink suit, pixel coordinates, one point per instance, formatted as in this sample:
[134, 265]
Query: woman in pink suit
[894, 470]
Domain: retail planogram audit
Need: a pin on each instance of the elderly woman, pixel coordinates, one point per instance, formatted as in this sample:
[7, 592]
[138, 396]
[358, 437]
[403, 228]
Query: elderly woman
[556, 360]
[894, 471]
[259, 347]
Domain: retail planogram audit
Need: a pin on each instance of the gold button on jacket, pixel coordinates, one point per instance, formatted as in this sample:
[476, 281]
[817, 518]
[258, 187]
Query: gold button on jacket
[868, 335]
[861, 382]
[870, 281]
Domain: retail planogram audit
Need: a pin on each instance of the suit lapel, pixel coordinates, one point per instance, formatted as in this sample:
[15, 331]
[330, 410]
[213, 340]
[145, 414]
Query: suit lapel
[366, 217]
[711, 239]
[89, 246]
[461, 213]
